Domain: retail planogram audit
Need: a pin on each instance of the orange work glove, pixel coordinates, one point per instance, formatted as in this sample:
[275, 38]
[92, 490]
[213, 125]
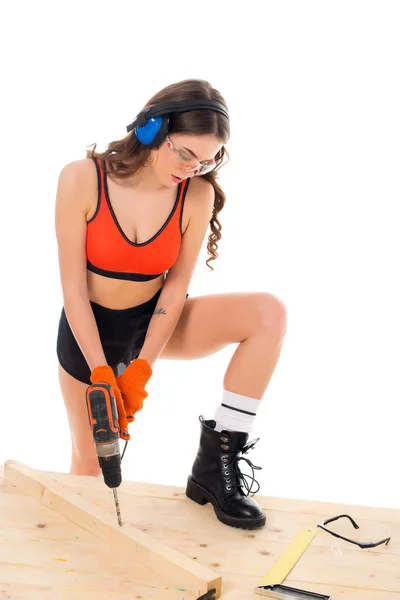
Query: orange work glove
[105, 374]
[131, 383]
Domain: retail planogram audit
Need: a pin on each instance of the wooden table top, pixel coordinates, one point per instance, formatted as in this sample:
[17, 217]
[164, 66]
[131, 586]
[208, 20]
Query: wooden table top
[45, 556]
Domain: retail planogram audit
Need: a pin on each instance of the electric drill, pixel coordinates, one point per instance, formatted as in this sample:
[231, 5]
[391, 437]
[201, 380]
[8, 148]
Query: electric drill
[103, 420]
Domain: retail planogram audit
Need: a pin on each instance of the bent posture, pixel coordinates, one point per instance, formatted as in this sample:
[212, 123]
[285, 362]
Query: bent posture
[130, 223]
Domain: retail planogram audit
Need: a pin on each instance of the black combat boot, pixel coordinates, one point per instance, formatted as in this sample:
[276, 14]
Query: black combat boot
[216, 477]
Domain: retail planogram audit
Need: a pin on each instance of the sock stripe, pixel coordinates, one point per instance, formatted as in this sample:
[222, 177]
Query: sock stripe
[246, 412]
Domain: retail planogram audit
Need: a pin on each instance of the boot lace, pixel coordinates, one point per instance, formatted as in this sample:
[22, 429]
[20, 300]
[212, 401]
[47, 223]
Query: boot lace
[238, 476]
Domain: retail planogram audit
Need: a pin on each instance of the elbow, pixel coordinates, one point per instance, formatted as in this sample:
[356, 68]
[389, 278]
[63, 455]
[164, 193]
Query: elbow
[175, 290]
[173, 296]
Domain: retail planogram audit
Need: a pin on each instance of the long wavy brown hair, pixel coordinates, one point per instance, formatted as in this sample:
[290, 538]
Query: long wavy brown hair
[127, 156]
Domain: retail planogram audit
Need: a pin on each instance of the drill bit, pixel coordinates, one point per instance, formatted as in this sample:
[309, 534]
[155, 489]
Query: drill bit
[117, 507]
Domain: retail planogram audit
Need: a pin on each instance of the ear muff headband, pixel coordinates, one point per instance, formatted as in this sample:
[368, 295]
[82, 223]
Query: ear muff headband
[151, 125]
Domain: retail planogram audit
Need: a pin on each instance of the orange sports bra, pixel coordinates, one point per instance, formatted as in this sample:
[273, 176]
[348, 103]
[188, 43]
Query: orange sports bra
[111, 254]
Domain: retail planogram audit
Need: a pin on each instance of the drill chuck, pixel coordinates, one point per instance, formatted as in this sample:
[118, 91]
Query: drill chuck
[103, 420]
[110, 464]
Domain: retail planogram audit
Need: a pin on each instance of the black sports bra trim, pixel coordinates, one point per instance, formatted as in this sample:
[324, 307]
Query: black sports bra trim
[183, 205]
[99, 186]
[98, 191]
[120, 274]
[120, 228]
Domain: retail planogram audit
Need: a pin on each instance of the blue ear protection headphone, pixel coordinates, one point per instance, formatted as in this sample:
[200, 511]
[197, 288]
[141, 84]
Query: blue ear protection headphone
[151, 126]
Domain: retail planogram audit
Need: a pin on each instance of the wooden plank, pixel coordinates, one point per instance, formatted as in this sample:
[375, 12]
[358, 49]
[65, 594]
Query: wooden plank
[174, 568]
[338, 592]
[46, 557]
[282, 523]
[167, 519]
[242, 558]
[268, 503]
[193, 530]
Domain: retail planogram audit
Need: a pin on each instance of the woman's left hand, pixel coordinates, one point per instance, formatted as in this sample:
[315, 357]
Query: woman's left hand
[132, 383]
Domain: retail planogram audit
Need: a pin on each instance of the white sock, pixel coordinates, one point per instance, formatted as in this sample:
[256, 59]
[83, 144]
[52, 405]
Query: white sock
[236, 412]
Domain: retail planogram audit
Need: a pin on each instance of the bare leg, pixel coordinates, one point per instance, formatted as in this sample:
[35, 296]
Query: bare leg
[255, 321]
[84, 458]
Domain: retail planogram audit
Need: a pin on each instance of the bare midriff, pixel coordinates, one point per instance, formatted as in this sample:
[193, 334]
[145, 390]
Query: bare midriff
[120, 294]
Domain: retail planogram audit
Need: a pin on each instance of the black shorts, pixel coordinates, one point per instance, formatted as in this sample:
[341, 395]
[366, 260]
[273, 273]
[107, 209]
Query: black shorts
[122, 334]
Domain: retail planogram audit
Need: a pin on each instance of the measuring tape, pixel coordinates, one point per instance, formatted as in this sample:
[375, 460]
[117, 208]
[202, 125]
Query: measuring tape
[283, 566]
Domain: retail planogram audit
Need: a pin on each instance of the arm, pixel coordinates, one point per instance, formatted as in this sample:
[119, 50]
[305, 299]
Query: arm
[76, 186]
[172, 298]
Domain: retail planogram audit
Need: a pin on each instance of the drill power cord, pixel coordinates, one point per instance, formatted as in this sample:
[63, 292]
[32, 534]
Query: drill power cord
[126, 443]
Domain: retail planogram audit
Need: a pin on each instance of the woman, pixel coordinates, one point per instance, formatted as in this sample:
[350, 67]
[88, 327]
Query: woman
[130, 223]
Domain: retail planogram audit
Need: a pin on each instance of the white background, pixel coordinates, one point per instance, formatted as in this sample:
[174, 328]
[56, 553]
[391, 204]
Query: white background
[311, 216]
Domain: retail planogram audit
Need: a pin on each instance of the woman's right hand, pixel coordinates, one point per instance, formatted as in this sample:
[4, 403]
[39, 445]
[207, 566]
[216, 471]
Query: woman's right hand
[105, 374]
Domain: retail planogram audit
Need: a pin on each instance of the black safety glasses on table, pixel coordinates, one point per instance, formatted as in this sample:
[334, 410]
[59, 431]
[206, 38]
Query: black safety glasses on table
[342, 537]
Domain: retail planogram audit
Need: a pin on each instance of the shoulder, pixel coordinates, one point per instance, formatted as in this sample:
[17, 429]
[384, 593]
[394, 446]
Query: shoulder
[81, 170]
[200, 195]
[77, 184]
[199, 203]
[200, 187]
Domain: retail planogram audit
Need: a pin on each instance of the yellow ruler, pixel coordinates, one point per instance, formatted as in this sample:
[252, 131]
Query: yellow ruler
[281, 569]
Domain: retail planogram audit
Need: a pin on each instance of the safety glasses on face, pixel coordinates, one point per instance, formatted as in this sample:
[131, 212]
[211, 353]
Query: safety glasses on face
[188, 163]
